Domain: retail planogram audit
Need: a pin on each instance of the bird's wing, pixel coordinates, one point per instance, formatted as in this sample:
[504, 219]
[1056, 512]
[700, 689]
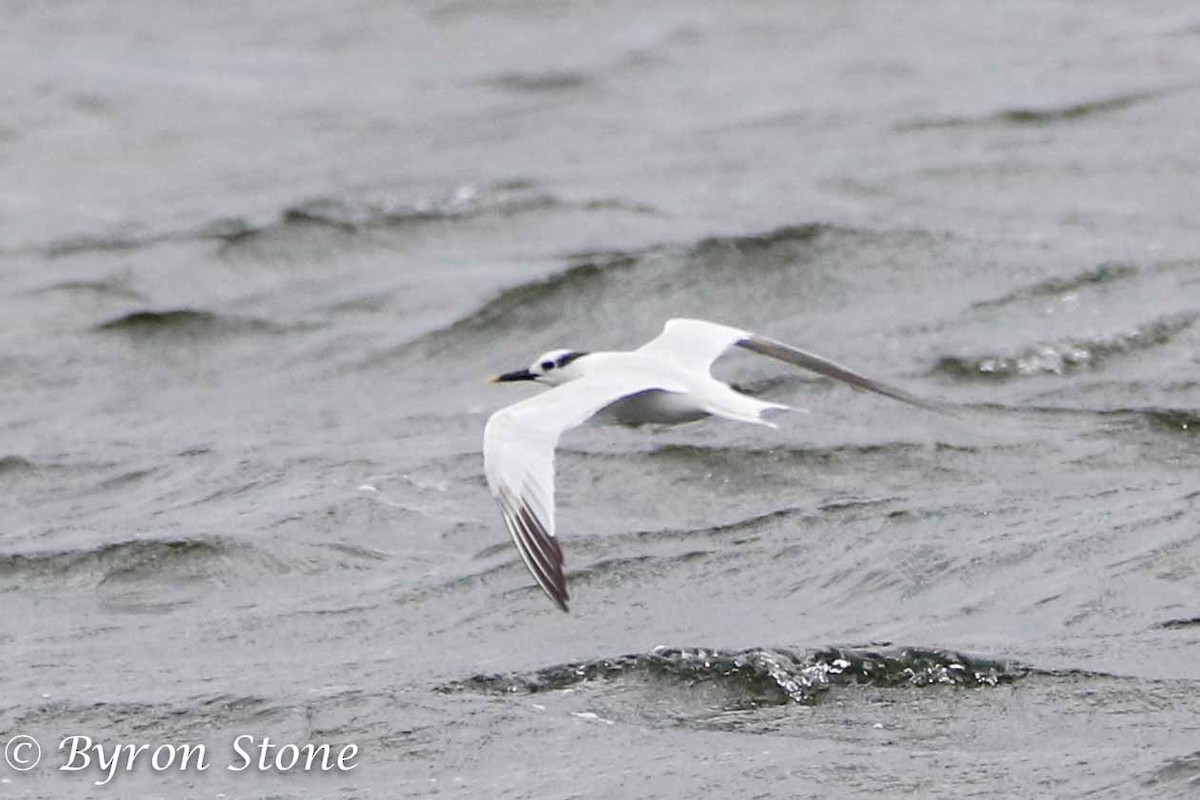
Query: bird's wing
[692, 343]
[823, 366]
[697, 344]
[518, 460]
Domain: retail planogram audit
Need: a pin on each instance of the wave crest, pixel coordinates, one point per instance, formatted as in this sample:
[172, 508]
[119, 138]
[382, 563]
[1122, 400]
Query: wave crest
[764, 677]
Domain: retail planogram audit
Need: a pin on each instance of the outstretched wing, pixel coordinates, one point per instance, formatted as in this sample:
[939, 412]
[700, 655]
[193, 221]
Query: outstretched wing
[518, 460]
[823, 366]
[698, 344]
[692, 343]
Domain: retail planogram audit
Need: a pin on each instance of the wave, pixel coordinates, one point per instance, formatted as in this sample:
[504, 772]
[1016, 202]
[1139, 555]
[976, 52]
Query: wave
[359, 215]
[527, 306]
[112, 287]
[100, 243]
[135, 559]
[353, 215]
[763, 677]
[540, 82]
[1181, 773]
[1055, 287]
[1047, 115]
[589, 276]
[1173, 420]
[16, 465]
[750, 242]
[185, 322]
[817, 455]
[1170, 420]
[1175, 624]
[1068, 356]
[350, 215]
[197, 713]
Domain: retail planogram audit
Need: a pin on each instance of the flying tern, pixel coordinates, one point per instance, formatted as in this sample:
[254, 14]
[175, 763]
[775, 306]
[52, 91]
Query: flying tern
[666, 381]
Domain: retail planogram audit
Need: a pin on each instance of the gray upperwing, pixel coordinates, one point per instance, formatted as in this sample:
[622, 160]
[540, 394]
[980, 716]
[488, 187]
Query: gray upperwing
[823, 366]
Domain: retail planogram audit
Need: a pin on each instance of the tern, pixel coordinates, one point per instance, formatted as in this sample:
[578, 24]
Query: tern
[668, 381]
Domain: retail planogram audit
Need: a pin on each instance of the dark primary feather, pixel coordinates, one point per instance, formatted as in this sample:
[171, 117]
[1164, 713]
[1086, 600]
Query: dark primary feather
[538, 549]
[823, 366]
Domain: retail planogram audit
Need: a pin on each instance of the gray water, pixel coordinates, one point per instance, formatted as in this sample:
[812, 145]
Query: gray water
[257, 261]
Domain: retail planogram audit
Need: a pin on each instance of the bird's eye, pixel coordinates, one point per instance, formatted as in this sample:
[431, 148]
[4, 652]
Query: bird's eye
[547, 365]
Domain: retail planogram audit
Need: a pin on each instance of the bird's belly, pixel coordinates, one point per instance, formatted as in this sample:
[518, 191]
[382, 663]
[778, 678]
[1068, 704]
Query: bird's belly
[652, 406]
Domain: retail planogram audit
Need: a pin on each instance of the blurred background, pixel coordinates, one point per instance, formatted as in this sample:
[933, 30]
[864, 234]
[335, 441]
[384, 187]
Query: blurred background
[257, 261]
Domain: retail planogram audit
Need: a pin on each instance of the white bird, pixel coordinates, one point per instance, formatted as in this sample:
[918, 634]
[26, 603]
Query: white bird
[667, 380]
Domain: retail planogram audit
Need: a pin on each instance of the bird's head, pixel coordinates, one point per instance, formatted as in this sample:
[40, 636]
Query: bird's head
[553, 369]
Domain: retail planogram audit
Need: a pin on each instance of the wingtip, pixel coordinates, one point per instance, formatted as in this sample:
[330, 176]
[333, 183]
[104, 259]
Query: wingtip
[560, 597]
[823, 366]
